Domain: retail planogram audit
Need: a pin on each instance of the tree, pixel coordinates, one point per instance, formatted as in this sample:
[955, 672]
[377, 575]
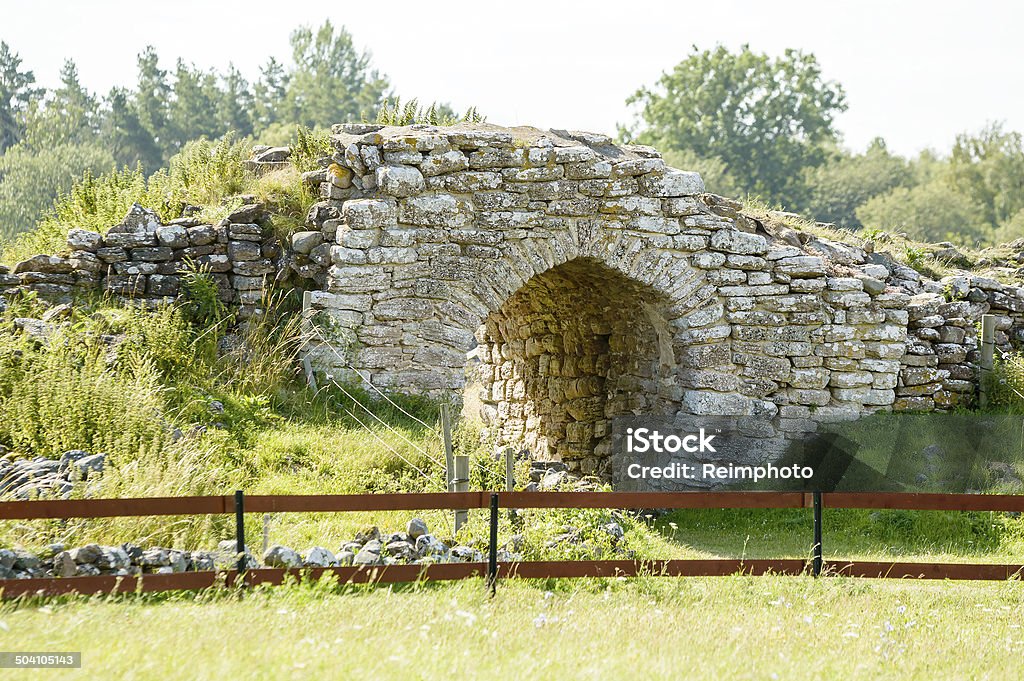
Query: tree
[152, 98]
[934, 211]
[332, 82]
[128, 140]
[234, 109]
[16, 94]
[837, 187]
[269, 95]
[30, 179]
[989, 166]
[70, 115]
[766, 119]
[193, 111]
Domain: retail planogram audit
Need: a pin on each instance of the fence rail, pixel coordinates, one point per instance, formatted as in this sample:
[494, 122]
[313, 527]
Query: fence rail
[239, 505]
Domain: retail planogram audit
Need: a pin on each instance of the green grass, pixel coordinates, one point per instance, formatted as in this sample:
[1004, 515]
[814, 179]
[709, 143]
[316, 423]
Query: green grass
[647, 628]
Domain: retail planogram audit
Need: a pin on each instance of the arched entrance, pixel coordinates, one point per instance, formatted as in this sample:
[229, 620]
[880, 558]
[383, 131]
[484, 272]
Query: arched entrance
[574, 347]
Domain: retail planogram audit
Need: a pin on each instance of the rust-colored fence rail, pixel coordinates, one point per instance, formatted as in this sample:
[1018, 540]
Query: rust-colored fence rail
[491, 570]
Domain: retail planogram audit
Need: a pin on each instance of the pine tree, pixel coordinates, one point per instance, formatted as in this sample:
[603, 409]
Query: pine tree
[128, 139]
[70, 115]
[193, 109]
[269, 95]
[236, 103]
[16, 94]
[152, 99]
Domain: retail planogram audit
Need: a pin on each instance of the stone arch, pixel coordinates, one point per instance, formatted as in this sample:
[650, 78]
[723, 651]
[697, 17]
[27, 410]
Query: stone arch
[432, 232]
[572, 348]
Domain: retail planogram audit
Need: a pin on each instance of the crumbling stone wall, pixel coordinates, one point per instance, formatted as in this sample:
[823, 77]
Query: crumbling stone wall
[596, 281]
[142, 259]
[568, 280]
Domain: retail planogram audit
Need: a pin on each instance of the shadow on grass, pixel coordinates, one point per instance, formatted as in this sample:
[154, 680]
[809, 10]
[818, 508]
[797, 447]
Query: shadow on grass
[788, 533]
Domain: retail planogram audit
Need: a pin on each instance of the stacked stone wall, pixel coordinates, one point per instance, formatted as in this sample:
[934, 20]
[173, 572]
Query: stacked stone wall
[143, 260]
[569, 280]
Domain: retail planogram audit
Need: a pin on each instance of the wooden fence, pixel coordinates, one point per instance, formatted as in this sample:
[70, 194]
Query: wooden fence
[492, 571]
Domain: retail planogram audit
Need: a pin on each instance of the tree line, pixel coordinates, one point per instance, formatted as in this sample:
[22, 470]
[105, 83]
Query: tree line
[764, 127]
[755, 127]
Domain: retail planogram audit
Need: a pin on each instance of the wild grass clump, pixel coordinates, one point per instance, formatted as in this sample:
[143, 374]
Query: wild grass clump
[394, 112]
[1005, 384]
[308, 147]
[68, 397]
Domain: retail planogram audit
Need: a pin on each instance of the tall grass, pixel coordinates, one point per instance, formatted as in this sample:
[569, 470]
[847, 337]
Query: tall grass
[67, 397]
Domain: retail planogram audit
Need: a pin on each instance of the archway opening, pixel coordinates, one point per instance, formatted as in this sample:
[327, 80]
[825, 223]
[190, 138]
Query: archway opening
[570, 350]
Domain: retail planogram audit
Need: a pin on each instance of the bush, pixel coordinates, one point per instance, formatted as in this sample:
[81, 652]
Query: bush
[204, 173]
[309, 146]
[31, 180]
[67, 397]
[929, 212]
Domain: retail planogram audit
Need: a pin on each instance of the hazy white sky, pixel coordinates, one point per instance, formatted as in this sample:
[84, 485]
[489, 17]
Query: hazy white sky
[915, 72]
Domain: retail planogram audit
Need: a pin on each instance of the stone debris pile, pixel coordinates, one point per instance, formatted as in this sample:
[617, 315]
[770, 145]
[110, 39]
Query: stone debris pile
[31, 478]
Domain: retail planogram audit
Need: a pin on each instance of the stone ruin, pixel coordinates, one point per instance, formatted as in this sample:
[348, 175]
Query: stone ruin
[566, 280]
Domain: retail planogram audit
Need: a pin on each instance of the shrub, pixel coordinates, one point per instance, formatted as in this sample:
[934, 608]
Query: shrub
[309, 146]
[410, 113]
[67, 397]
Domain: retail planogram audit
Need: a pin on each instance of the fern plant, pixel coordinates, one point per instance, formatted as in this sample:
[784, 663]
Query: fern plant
[411, 113]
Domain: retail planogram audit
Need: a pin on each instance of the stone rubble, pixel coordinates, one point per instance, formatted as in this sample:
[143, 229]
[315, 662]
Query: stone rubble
[143, 259]
[42, 477]
[370, 547]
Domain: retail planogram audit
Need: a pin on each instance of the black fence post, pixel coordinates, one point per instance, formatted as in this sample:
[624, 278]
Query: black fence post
[492, 558]
[240, 532]
[818, 555]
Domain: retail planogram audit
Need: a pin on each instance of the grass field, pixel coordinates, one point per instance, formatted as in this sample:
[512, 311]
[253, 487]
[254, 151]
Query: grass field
[649, 628]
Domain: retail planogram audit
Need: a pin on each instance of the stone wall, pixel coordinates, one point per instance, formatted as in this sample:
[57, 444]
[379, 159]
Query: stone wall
[569, 280]
[142, 259]
[596, 281]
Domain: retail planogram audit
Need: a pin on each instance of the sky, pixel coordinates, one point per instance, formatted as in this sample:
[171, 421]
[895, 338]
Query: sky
[915, 73]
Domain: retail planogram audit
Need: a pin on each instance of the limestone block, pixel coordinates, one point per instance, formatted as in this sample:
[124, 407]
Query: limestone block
[238, 251]
[733, 241]
[438, 163]
[702, 402]
[399, 180]
[814, 378]
[576, 154]
[672, 183]
[369, 213]
[112, 255]
[439, 210]
[172, 236]
[154, 254]
[632, 205]
[638, 167]
[708, 261]
[84, 240]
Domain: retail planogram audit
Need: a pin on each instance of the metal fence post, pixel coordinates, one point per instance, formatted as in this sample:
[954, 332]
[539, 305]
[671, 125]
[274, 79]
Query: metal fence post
[492, 562]
[461, 484]
[988, 346]
[446, 434]
[240, 532]
[510, 470]
[818, 555]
